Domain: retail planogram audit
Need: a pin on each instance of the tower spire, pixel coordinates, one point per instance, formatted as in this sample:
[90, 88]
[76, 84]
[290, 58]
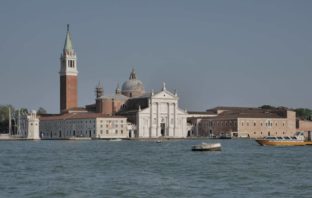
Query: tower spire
[99, 90]
[68, 46]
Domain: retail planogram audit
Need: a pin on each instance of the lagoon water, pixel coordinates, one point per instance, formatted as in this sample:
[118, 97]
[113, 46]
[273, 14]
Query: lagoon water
[149, 169]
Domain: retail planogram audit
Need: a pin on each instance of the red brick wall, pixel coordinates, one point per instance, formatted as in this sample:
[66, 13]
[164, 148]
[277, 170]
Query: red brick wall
[108, 106]
[68, 92]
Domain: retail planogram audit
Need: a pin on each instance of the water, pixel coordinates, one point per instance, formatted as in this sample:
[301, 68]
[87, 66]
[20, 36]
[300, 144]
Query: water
[148, 169]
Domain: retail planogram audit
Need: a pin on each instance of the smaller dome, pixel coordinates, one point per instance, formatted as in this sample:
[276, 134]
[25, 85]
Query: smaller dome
[132, 87]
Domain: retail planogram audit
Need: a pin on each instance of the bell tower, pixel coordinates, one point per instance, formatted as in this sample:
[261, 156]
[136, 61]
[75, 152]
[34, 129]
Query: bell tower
[68, 75]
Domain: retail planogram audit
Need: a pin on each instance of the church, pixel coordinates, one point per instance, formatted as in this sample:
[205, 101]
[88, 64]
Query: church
[130, 112]
[156, 114]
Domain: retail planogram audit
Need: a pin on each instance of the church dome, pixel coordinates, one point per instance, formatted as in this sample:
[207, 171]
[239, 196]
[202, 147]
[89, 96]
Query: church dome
[132, 87]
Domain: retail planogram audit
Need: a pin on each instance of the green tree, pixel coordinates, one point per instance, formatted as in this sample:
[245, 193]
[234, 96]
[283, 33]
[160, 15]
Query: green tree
[267, 107]
[304, 113]
[42, 110]
[4, 117]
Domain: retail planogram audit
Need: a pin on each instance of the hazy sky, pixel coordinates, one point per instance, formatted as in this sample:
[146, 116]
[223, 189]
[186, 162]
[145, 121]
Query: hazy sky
[238, 53]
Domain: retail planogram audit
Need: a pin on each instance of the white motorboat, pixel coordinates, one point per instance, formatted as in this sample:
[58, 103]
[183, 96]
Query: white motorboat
[115, 140]
[207, 147]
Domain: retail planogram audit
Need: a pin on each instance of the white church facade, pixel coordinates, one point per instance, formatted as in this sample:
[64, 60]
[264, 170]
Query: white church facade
[162, 118]
[157, 115]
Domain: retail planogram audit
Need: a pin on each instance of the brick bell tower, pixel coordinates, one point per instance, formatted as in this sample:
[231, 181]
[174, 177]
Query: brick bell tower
[68, 76]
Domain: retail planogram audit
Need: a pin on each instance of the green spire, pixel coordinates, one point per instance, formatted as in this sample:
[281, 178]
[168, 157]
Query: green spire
[68, 46]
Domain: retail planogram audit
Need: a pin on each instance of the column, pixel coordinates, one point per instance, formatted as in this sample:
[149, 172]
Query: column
[175, 119]
[151, 118]
[158, 120]
[168, 105]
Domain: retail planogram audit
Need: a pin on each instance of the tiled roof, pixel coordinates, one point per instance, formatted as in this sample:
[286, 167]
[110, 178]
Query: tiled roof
[69, 116]
[116, 96]
[202, 112]
[235, 115]
[247, 112]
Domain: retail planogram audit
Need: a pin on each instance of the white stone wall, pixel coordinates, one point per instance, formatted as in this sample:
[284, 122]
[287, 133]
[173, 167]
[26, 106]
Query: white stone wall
[162, 118]
[29, 126]
[93, 128]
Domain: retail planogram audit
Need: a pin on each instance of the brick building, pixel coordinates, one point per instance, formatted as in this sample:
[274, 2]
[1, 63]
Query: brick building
[68, 76]
[245, 122]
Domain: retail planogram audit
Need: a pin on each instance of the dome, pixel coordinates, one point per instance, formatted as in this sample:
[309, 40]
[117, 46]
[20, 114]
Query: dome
[132, 87]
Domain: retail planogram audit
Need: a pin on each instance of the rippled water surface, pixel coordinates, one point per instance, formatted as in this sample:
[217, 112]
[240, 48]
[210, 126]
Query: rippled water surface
[150, 169]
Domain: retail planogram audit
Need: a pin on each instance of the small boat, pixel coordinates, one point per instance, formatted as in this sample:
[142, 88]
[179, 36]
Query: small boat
[297, 140]
[207, 147]
[115, 140]
[158, 141]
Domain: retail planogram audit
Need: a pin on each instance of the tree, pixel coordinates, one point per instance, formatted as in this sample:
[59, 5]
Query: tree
[304, 113]
[42, 110]
[4, 117]
[267, 107]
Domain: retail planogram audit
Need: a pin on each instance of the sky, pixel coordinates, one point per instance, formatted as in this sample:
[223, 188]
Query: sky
[214, 53]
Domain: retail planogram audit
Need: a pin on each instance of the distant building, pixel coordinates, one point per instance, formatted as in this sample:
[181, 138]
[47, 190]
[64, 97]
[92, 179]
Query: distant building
[29, 126]
[74, 121]
[245, 122]
[150, 115]
[156, 115]
[109, 105]
[132, 87]
[68, 76]
[306, 127]
[79, 125]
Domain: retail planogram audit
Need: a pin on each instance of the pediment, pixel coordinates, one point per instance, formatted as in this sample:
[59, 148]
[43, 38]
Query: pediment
[164, 95]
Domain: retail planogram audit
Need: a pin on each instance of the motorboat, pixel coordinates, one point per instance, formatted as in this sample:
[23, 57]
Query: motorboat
[115, 140]
[207, 147]
[297, 140]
